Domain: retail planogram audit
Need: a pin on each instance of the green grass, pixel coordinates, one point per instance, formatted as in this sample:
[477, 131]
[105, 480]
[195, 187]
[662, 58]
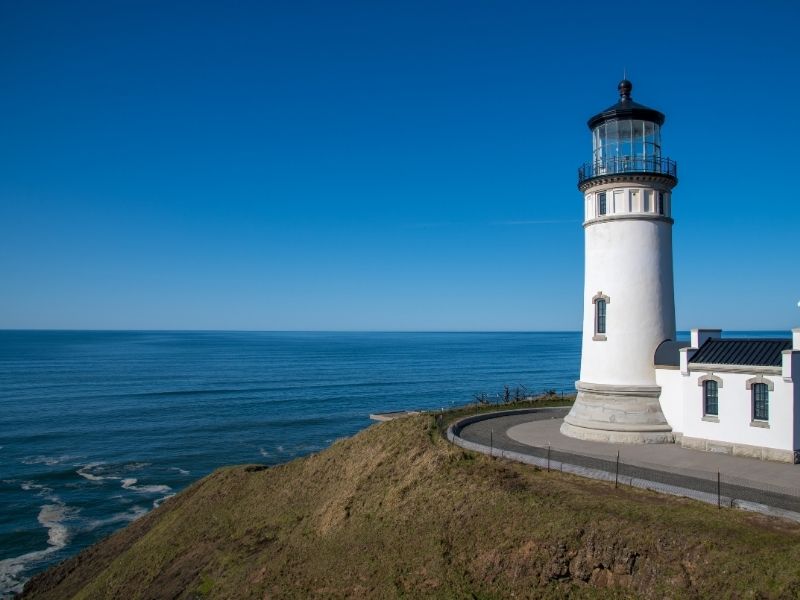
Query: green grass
[398, 512]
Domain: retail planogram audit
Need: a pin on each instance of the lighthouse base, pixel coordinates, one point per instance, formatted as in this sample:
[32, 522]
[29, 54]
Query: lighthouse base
[617, 414]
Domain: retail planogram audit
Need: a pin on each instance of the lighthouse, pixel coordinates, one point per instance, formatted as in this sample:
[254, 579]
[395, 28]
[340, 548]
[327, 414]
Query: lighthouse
[628, 299]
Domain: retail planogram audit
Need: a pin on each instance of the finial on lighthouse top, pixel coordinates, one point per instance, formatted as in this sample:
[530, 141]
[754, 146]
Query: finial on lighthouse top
[625, 88]
[626, 108]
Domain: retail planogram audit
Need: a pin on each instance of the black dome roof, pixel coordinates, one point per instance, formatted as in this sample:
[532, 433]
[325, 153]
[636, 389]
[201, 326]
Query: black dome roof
[626, 108]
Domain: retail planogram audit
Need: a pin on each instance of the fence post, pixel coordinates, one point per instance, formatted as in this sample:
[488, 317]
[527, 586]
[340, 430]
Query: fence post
[548, 458]
[616, 472]
[719, 500]
[491, 442]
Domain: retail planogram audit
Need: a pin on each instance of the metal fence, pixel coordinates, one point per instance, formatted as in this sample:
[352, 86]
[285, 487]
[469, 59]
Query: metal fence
[724, 489]
[627, 164]
[722, 485]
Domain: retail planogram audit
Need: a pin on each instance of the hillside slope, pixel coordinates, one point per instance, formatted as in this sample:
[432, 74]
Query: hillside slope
[397, 511]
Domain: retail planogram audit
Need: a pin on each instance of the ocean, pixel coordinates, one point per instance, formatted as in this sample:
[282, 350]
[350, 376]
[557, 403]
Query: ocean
[97, 428]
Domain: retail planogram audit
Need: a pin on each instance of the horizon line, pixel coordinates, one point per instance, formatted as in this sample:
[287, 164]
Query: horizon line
[128, 330]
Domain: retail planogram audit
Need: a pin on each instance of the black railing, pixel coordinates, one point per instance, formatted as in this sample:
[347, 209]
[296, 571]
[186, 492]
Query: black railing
[628, 164]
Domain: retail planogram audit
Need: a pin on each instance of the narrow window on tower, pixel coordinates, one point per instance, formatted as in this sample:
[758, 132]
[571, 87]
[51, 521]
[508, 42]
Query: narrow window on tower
[646, 201]
[600, 307]
[661, 203]
[601, 203]
[710, 398]
[600, 302]
[600, 318]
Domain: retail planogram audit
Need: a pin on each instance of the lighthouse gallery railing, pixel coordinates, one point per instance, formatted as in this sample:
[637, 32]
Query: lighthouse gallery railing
[628, 164]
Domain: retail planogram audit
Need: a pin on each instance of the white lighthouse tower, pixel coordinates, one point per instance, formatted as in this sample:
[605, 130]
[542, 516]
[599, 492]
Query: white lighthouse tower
[629, 306]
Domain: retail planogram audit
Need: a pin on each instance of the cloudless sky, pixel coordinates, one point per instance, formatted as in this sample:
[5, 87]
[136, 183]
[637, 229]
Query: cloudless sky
[380, 165]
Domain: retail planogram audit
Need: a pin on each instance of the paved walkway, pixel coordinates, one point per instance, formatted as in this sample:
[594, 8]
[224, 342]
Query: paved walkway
[523, 432]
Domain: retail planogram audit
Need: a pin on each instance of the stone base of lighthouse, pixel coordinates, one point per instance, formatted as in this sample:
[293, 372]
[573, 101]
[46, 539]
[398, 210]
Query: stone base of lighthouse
[617, 414]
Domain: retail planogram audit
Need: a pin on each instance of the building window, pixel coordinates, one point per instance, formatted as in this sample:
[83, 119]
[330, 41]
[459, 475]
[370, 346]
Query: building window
[760, 402]
[600, 317]
[661, 203]
[601, 302]
[601, 203]
[710, 398]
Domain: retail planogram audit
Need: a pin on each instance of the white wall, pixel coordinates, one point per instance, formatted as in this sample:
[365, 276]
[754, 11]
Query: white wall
[796, 388]
[671, 399]
[735, 410]
[792, 365]
[630, 261]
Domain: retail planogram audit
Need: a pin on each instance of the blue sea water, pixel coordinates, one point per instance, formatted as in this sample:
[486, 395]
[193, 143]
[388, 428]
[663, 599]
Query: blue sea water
[97, 428]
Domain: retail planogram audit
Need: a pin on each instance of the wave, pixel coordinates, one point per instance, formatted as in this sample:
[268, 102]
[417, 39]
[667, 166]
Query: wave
[99, 471]
[47, 460]
[85, 472]
[130, 483]
[157, 502]
[51, 517]
[181, 471]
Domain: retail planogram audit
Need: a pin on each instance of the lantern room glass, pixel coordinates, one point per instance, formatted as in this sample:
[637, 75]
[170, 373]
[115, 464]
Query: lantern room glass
[626, 144]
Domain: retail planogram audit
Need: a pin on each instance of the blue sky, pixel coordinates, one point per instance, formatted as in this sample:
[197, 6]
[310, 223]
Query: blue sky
[377, 165]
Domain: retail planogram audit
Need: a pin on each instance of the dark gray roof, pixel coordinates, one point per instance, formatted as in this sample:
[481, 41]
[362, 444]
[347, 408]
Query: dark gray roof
[626, 108]
[668, 354]
[749, 352]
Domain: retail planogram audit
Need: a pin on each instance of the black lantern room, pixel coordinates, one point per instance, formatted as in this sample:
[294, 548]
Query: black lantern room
[626, 138]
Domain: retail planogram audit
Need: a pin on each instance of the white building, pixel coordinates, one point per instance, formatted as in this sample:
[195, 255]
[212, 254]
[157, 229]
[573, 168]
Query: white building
[737, 396]
[637, 384]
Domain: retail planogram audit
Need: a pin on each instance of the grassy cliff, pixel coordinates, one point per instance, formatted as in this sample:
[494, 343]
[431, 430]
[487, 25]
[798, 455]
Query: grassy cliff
[396, 511]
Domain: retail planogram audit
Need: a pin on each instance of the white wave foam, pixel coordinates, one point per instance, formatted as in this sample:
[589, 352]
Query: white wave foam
[157, 502]
[153, 489]
[280, 449]
[264, 453]
[51, 517]
[86, 472]
[130, 484]
[181, 471]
